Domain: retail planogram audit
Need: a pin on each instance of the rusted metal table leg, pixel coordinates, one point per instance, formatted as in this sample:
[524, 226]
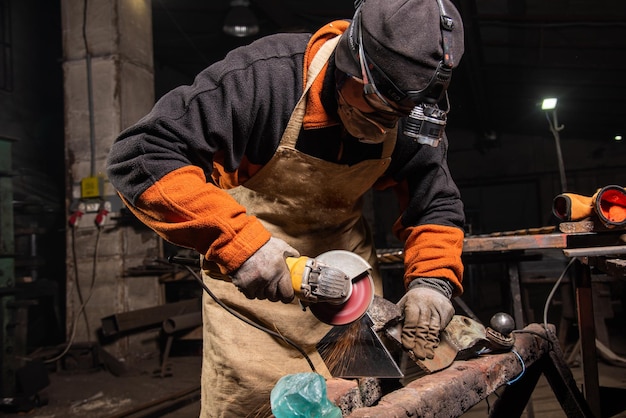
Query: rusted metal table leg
[512, 400]
[587, 334]
[518, 315]
[516, 295]
[516, 397]
[564, 385]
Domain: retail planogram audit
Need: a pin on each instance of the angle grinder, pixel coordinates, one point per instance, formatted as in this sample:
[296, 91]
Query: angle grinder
[337, 286]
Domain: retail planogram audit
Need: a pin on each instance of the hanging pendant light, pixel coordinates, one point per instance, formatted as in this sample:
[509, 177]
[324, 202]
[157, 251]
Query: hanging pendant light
[240, 21]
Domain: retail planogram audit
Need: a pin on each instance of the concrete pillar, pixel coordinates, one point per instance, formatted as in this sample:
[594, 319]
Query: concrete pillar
[108, 85]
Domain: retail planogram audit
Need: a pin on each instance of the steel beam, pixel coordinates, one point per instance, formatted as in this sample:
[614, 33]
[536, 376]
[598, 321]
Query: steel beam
[147, 318]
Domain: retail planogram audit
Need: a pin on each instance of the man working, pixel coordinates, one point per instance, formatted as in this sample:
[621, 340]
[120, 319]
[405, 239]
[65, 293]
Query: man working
[269, 154]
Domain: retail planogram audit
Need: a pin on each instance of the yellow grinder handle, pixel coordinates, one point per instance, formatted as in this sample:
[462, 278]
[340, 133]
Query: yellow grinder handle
[296, 268]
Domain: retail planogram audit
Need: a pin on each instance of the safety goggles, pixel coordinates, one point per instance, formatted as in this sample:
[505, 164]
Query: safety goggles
[384, 91]
[370, 92]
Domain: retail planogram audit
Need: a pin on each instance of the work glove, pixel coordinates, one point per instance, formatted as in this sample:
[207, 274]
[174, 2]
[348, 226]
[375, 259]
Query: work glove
[265, 274]
[572, 207]
[427, 311]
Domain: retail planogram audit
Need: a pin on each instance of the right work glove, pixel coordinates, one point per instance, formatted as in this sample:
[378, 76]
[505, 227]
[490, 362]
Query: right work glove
[265, 274]
[426, 313]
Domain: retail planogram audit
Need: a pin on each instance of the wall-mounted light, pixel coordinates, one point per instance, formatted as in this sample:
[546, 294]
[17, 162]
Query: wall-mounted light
[617, 138]
[240, 20]
[549, 104]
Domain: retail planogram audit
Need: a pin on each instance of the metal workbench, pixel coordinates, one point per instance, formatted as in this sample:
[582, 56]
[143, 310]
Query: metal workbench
[454, 390]
[588, 244]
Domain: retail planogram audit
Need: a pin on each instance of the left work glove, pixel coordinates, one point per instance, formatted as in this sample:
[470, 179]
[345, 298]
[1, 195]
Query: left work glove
[427, 311]
[265, 274]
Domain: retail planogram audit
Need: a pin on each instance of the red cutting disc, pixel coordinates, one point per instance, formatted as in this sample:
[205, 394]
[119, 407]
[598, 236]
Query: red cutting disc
[352, 309]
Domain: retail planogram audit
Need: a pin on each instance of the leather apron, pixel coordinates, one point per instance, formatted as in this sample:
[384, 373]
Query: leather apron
[315, 206]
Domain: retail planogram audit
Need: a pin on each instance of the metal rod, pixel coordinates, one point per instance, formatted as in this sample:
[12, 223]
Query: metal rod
[595, 251]
[555, 129]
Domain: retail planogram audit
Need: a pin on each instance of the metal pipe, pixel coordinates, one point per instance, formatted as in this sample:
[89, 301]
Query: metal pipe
[181, 322]
[92, 136]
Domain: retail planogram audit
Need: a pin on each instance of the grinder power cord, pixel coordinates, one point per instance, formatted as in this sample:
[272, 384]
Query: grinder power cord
[185, 263]
[336, 296]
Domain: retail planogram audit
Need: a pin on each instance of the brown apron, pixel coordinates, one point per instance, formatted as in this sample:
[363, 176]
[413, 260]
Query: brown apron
[315, 206]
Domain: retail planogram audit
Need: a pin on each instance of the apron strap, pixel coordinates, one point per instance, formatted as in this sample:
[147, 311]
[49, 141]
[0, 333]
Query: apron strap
[292, 130]
[389, 144]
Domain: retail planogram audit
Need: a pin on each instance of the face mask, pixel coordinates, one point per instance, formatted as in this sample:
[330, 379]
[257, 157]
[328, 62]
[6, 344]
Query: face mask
[359, 125]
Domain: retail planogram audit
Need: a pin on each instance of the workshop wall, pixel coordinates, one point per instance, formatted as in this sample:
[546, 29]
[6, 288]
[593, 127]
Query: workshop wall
[107, 62]
[510, 185]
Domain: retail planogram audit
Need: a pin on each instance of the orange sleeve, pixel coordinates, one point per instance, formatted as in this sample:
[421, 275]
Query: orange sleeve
[189, 212]
[316, 116]
[434, 251]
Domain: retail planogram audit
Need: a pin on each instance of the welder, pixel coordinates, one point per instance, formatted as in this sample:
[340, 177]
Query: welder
[270, 153]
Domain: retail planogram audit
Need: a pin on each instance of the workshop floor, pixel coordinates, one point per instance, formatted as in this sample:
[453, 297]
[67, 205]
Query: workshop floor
[144, 393]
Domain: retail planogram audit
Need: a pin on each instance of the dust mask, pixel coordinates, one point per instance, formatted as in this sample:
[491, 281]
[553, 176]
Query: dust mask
[360, 126]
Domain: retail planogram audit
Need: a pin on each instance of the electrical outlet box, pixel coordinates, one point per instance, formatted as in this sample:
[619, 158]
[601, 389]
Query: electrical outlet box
[91, 187]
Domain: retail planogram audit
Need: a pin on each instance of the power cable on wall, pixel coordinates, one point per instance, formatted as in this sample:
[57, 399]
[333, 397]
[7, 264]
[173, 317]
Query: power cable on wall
[77, 214]
[92, 137]
[83, 301]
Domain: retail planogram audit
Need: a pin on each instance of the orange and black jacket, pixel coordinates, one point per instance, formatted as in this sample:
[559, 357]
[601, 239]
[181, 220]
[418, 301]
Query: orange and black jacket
[173, 166]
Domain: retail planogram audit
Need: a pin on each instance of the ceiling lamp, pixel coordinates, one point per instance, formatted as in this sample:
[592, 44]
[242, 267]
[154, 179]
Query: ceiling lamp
[240, 21]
